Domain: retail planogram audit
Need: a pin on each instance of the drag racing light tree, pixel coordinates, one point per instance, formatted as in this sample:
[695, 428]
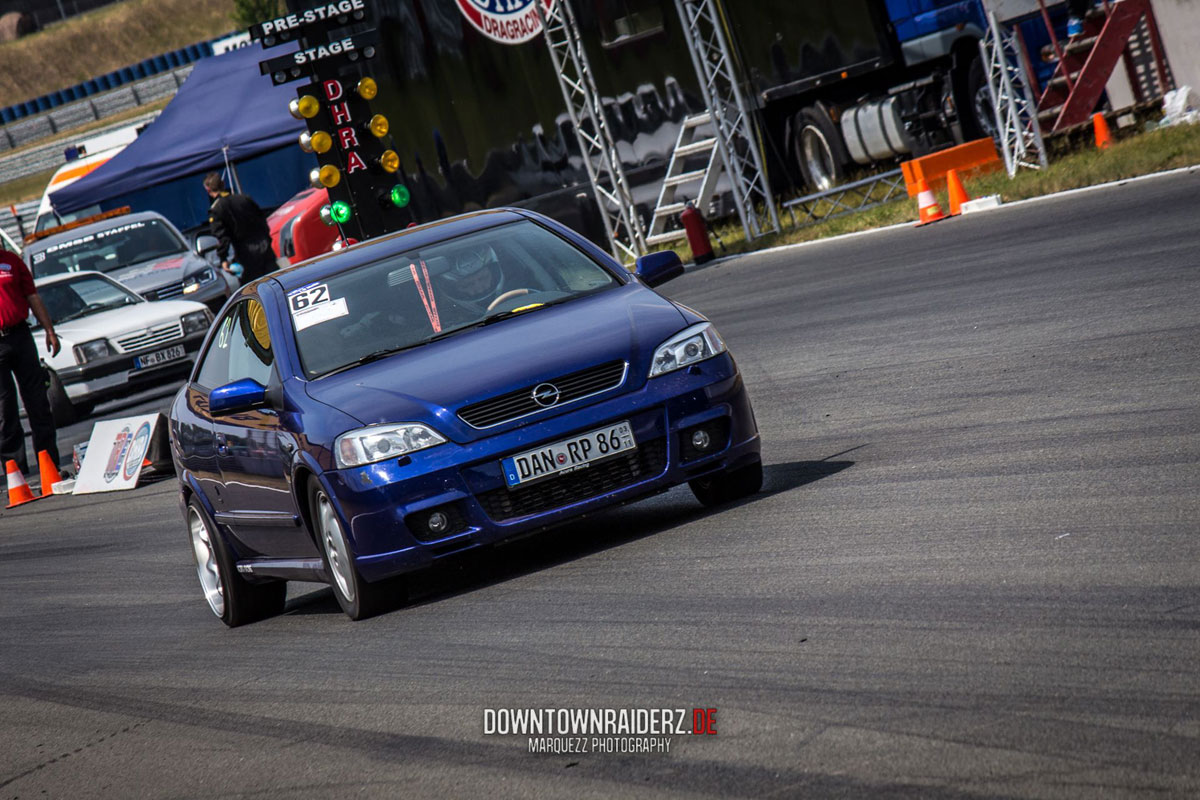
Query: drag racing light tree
[357, 163]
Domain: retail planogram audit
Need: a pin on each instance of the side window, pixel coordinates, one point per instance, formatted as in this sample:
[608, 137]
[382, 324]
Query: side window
[240, 349]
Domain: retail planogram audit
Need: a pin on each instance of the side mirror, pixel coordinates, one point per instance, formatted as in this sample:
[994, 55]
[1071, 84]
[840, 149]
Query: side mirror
[206, 244]
[656, 269]
[238, 396]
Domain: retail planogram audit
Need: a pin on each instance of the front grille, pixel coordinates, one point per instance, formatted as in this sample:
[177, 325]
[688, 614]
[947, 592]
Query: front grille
[647, 461]
[168, 291]
[152, 337]
[520, 403]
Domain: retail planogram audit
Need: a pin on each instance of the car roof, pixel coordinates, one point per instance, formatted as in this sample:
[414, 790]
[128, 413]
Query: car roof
[102, 225]
[390, 244]
[60, 277]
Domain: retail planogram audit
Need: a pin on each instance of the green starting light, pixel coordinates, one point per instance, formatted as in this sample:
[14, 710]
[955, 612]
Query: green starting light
[340, 212]
[400, 195]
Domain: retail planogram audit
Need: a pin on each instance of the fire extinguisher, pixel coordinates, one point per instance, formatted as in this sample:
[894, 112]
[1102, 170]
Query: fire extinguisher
[697, 234]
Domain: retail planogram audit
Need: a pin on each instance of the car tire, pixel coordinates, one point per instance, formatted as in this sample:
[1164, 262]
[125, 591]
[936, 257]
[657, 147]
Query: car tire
[233, 599]
[61, 407]
[725, 487]
[819, 150]
[358, 597]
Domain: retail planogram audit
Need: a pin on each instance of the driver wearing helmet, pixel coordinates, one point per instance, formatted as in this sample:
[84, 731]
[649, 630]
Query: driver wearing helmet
[475, 280]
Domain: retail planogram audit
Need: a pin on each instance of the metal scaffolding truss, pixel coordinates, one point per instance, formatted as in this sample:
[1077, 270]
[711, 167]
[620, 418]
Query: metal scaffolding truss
[596, 144]
[848, 198]
[1013, 104]
[736, 132]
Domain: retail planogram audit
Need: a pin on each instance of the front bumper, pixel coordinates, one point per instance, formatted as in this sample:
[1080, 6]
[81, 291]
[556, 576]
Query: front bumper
[115, 375]
[383, 505]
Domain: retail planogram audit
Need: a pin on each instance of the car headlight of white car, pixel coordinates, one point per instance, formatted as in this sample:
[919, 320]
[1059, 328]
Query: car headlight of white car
[690, 346]
[90, 351]
[195, 322]
[381, 442]
[194, 281]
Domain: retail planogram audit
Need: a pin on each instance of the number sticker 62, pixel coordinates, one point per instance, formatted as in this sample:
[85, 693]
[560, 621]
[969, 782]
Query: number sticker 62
[308, 297]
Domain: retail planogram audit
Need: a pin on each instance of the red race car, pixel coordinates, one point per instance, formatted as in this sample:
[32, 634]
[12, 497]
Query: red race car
[296, 228]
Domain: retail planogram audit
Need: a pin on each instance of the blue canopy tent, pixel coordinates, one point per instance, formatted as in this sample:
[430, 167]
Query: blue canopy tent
[226, 113]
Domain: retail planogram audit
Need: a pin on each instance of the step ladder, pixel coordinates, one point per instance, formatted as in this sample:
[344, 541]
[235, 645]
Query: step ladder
[1086, 62]
[697, 142]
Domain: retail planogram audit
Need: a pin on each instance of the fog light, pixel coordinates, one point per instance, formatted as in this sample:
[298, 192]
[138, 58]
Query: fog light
[438, 523]
[701, 440]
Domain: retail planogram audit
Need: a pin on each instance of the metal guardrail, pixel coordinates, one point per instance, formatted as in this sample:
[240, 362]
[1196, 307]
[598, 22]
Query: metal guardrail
[860, 195]
[27, 211]
[43, 157]
[96, 107]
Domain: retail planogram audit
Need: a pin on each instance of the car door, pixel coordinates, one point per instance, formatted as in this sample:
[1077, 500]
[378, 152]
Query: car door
[253, 453]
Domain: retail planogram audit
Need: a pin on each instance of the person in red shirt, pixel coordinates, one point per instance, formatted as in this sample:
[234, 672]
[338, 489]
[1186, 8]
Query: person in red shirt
[19, 359]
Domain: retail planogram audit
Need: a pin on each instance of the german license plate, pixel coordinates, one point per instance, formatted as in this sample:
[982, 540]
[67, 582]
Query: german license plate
[569, 455]
[159, 357]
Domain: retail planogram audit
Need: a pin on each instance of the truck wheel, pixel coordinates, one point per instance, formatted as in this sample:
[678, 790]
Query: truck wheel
[231, 597]
[979, 121]
[819, 149]
[60, 404]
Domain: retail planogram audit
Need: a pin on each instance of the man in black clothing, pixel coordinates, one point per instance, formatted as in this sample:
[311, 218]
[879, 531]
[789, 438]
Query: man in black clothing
[238, 223]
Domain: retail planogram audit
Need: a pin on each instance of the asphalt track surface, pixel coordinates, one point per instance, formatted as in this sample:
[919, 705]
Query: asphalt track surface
[973, 571]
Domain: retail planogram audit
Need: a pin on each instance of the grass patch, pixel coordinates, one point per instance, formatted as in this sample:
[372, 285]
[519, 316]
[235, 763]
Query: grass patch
[28, 188]
[105, 39]
[1137, 154]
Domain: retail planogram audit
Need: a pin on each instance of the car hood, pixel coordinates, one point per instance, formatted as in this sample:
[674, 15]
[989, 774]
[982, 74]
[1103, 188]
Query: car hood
[430, 383]
[124, 320]
[146, 276]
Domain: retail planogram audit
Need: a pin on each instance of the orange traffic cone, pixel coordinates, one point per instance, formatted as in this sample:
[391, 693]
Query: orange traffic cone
[958, 192]
[19, 492]
[927, 205]
[50, 474]
[1103, 137]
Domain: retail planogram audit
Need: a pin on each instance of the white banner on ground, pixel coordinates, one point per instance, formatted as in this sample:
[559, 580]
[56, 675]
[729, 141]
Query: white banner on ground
[115, 454]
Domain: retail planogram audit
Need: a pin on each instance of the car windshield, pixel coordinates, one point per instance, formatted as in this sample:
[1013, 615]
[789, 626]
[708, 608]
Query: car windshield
[441, 290]
[83, 296]
[109, 249]
[52, 220]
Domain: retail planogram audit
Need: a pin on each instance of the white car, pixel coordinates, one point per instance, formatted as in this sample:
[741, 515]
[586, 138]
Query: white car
[114, 342]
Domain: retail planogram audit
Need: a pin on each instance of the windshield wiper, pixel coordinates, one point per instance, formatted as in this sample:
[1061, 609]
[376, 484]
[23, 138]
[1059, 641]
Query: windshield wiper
[523, 310]
[375, 355]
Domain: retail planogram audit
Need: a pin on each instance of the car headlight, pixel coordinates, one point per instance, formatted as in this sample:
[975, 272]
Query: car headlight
[193, 282]
[90, 351]
[195, 322]
[381, 442]
[694, 344]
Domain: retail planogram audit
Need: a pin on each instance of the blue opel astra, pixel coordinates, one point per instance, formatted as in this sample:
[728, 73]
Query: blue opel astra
[369, 412]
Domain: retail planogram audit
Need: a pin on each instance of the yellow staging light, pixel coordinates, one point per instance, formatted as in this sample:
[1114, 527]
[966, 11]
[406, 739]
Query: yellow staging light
[329, 176]
[321, 142]
[378, 126]
[367, 88]
[389, 161]
[307, 106]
